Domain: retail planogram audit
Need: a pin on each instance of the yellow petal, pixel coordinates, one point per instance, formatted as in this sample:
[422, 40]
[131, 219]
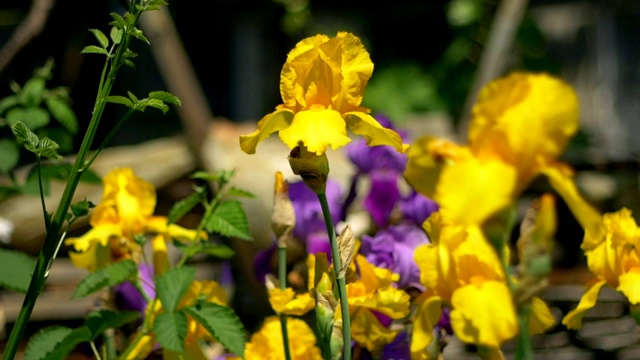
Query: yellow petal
[423, 168]
[540, 318]
[273, 122]
[629, 285]
[428, 312]
[287, 302]
[98, 235]
[484, 314]
[437, 269]
[317, 128]
[561, 180]
[367, 331]
[573, 320]
[142, 348]
[524, 116]
[374, 133]
[161, 263]
[472, 190]
[133, 197]
[392, 302]
[605, 262]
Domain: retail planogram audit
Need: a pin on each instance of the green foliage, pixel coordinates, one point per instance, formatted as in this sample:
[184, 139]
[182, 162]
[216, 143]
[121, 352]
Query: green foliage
[217, 250]
[222, 323]
[49, 172]
[171, 330]
[182, 207]
[99, 321]
[111, 275]
[229, 219]
[55, 342]
[156, 99]
[9, 155]
[16, 269]
[172, 285]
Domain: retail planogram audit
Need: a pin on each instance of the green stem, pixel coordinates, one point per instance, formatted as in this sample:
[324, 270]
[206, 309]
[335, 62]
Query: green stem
[53, 237]
[342, 285]
[107, 139]
[282, 278]
[42, 202]
[95, 350]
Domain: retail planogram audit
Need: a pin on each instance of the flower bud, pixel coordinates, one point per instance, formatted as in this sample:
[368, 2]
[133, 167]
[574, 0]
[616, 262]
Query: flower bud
[312, 168]
[283, 218]
[346, 247]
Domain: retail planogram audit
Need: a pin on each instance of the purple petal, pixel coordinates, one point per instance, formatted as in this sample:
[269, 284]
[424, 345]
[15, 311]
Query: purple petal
[309, 218]
[398, 349]
[383, 196]
[319, 242]
[417, 208]
[263, 261]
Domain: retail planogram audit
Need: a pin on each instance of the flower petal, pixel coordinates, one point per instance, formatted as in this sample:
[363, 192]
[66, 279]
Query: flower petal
[317, 128]
[426, 317]
[270, 123]
[368, 127]
[573, 320]
[367, 331]
[484, 314]
[629, 285]
[540, 318]
[98, 235]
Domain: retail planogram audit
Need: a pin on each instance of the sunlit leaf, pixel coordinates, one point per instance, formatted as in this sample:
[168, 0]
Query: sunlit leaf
[222, 323]
[17, 268]
[102, 38]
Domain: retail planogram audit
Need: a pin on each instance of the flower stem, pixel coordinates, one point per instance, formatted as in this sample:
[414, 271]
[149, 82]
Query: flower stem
[54, 226]
[282, 278]
[342, 286]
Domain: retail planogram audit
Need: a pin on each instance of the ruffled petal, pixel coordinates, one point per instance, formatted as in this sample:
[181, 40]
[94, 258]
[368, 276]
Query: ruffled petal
[317, 128]
[484, 314]
[427, 316]
[540, 318]
[367, 331]
[573, 320]
[273, 122]
[629, 285]
[287, 302]
[369, 128]
[98, 235]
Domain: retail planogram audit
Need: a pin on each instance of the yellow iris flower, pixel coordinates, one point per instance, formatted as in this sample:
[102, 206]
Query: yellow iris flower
[520, 125]
[322, 84]
[614, 258]
[267, 342]
[286, 301]
[210, 291]
[125, 211]
[461, 270]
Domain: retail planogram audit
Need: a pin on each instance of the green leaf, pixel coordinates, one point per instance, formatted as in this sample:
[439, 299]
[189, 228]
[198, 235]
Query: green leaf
[116, 35]
[92, 49]
[171, 286]
[33, 117]
[62, 112]
[234, 191]
[218, 250]
[171, 330]
[120, 100]
[130, 54]
[111, 275]
[221, 176]
[99, 321]
[229, 219]
[81, 208]
[137, 33]
[8, 191]
[222, 323]
[31, 94]
[129, 63]
[182, 207]
[118, 21]
[59, 135]
[166, 97]
[102, 38]
[158, 104]
[17, 268]
[132, 97]
[48, 149]
[8, 102]
[9, 155]
[25, 136]
[55, 342]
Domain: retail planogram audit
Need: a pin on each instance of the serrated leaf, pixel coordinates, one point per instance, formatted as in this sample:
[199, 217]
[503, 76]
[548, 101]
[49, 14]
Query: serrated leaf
[55, 343]
[59, 135]
[170, 329]
[132, 97]
[92, 49]
[102, 38]
[129, 63]
[32, 90]
[222, 323]
[116, 35]
[137, 33]
[111, 275]
[8, 102]
[166, 97]
[32, 117]
[25, 136]
[129, 18]
[118, 21]
[218, 250]
[229, 219]
[234, 191]
[171, 286]
[9, 155]
[62, 112]
[48, 149]
[155, 104]
[182, 207]
[99, 321]
[17, 268]
[120, 100]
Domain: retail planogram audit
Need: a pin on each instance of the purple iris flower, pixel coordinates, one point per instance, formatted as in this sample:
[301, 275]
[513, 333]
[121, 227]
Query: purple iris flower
[384, 166]
[127, 297]
[393, 248]
[417, 208]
